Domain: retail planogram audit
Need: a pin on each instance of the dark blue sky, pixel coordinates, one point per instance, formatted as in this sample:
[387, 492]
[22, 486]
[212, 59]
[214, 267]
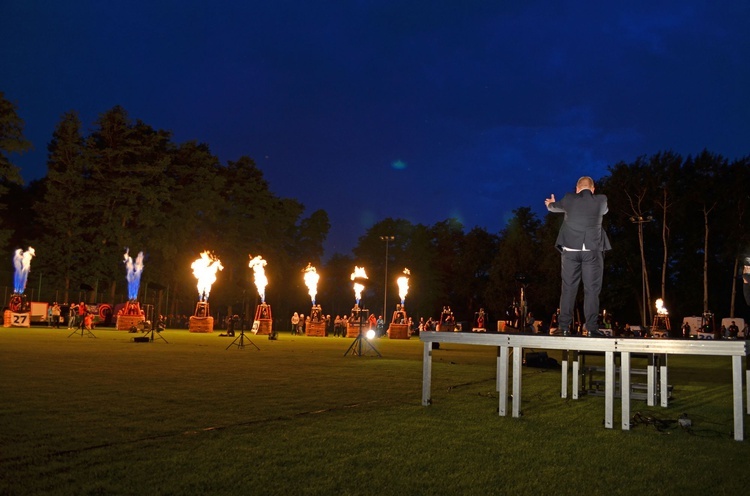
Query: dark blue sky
[369, 109]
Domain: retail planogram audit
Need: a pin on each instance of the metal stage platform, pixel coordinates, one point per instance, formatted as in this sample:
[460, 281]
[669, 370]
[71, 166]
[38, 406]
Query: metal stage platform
[624, 348]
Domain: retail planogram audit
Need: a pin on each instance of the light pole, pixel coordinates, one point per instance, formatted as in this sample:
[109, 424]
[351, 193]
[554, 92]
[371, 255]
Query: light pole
[644, 274]
[387, 239]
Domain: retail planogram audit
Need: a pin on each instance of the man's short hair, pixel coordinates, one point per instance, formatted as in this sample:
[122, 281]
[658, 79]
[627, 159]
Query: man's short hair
[585, 182]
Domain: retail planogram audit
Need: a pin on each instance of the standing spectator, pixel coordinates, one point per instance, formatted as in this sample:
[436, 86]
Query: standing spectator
[295, 323]
[685, 330]
[380, 326]
[81, 313]
[49, 316]
[56, 315]
[72, 313]
[337, 324]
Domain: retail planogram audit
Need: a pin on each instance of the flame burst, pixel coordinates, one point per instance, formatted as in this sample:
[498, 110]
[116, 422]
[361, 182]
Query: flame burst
[204, 269]
[359, 273]
[259, 274]
[22, 263]
[133, 272]
[403, 285]
[660, 308]
[311, 281]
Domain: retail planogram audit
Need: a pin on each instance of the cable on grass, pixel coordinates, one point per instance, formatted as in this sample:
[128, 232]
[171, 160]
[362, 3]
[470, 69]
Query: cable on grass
[465, 384]
[661, 425]
[664, 425]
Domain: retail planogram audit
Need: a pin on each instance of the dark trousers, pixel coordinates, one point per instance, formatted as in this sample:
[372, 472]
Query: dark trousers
[577, 266]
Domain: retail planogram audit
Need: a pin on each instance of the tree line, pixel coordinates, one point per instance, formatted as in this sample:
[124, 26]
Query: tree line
[678, 223]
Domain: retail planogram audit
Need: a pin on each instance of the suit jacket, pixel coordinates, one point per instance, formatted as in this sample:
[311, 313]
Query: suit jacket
[583, 221]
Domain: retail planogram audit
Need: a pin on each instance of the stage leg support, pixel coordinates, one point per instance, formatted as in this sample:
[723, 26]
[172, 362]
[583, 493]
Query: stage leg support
[427, 374]
[502, 380]
[739, 433]
[664, 381]
[517, 362]
[609, 384]
[564, 386]
[625, 381]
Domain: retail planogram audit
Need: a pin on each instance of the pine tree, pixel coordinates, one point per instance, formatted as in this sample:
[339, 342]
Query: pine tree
[64, 251]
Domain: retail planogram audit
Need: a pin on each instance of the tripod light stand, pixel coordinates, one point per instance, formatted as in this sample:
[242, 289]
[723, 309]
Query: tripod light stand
[356, 348]
[239, 341]
[157, 328]
[83, 331]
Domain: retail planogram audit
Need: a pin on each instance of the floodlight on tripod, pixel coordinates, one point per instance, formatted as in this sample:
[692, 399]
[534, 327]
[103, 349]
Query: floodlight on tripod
[356, 348]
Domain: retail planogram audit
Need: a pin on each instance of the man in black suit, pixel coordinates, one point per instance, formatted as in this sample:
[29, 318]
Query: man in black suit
[582, 243]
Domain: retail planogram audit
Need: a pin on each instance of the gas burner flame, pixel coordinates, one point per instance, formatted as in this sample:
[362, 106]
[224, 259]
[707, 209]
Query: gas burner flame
[311, 281]
[660, 308]
[204, 269]
[133, 272]
[22, 263]
[403, 285]
[259, 274]
[358, 274]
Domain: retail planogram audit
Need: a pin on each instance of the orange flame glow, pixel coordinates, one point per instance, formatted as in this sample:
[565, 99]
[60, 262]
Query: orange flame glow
[204, 269]
[660, 309]
[259, 275]
[311, 281]
[359, 273]
[403, 285]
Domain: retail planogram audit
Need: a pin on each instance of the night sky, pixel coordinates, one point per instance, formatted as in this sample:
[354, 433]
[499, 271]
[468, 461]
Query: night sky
[369, 109]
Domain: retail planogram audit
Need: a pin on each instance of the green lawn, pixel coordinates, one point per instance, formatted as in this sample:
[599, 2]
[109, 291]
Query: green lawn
[105, 415]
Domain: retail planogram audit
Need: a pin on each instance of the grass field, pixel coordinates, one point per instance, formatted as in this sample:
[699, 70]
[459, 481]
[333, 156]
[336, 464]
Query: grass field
[105, 415]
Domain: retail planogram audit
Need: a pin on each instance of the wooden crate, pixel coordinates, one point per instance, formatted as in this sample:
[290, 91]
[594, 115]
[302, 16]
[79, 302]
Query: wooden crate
[446, 327]
[264, 326]
[398, 331]
[125, 322]
[352, 330]
[315, 329]
[201, 324]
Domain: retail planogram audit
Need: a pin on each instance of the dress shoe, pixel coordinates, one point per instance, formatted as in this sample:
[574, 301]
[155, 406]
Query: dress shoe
[597, 334]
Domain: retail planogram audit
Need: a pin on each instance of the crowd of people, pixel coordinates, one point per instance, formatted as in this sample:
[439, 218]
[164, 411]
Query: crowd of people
[77, 316]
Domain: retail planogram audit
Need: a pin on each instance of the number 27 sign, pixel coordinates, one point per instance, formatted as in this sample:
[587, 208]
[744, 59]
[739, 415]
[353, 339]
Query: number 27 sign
[20, 319]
